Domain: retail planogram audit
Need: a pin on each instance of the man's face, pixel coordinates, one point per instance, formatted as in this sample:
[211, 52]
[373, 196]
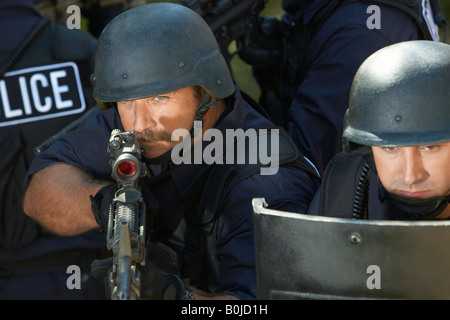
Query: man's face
[154, 119]
[418, 172]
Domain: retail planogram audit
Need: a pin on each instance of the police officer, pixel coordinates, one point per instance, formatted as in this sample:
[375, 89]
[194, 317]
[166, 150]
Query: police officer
[159, 69]
[44, 86]
[324, 43]
[396, 139]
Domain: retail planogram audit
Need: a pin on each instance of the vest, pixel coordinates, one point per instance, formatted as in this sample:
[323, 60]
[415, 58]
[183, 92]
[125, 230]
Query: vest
[193, 224]
[44, 85]
[344, 187]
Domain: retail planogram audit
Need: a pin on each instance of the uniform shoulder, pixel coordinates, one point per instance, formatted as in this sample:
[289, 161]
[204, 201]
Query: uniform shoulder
[71, 44]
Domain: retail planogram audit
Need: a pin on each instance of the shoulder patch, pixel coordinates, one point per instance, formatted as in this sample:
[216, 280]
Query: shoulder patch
[39, 93]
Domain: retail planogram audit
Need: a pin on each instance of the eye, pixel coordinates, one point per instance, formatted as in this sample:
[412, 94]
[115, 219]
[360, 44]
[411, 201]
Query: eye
[431, 147]
[390, 149]
[125, 103]
[160, 98]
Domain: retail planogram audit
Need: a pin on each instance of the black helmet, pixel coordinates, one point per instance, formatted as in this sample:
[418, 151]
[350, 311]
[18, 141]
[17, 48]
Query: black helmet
[400, 96]
[157, 48]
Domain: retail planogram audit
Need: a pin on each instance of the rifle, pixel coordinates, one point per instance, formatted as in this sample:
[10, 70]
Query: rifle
[126, 223]
[229, 20]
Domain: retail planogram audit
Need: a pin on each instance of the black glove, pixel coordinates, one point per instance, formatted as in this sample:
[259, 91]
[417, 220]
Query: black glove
[100, 205]
[155, 284]
[100, 270]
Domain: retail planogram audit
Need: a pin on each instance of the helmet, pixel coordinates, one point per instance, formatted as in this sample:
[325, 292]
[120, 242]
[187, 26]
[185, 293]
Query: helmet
[157, 48]
[400, 96]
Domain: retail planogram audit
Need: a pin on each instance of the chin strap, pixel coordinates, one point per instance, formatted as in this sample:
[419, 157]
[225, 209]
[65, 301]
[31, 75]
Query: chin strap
[207, 103]
[414, 209]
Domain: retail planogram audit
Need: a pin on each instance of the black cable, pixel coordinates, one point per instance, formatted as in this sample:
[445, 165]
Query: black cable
[360, 200]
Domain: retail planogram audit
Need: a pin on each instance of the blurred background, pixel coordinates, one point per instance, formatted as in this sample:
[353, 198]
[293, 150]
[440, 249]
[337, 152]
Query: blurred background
[93, 15]
[242, 71]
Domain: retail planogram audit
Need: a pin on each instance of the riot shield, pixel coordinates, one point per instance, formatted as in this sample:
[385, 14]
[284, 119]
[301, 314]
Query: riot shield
[300, 256]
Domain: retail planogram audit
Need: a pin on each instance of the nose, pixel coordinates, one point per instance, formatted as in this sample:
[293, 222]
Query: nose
[143, 116]
[413, 169]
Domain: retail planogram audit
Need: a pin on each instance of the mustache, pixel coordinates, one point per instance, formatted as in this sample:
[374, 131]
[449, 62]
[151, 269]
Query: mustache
[149, 135]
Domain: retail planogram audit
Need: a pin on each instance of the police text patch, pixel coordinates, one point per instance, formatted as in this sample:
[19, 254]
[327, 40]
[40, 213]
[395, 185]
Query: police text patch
[39, 93]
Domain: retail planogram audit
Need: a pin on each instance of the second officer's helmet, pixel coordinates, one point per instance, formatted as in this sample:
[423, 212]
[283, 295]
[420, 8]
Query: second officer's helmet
[400, 96]
[157, 48]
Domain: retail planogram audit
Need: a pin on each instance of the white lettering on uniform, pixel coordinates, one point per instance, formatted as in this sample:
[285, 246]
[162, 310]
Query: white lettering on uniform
[57, 89]
[35, 92]
[42, 92]
[6, 107]
[24, 93]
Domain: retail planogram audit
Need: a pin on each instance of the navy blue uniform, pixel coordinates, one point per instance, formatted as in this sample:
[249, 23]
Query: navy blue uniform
[220, 258]
[377, 209]
[44, 90]
[314, 119]
[341, 183]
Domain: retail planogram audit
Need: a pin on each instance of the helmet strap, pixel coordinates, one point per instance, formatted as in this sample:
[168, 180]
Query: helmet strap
[207, 103]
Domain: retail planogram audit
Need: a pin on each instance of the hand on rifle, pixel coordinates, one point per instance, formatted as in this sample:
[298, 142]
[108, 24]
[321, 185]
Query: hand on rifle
[100, 205]
[158, 285]
[155, 283]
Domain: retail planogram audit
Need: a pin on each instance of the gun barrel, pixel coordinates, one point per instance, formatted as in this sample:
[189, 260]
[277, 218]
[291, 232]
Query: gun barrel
[124, 280]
